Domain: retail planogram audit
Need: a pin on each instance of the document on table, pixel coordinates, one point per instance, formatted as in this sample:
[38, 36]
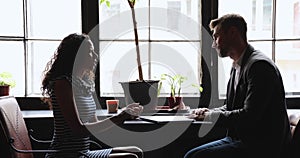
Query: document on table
[164, 119]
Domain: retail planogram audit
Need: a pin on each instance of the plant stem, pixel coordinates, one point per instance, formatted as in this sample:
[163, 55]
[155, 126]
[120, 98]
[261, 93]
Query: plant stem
[131, 4]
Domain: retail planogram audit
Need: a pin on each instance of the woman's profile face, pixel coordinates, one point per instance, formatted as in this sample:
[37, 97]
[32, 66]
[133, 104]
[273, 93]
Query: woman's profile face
[86, 58]
[91, 57]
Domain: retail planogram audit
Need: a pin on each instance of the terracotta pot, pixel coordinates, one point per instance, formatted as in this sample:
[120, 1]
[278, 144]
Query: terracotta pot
[143, 92]
[4, 90]
[175, 101]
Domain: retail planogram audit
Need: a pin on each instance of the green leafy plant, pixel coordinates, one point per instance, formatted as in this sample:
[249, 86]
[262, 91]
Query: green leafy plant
[107, 2]
[6, 79]
[199, 87]
[174, 81]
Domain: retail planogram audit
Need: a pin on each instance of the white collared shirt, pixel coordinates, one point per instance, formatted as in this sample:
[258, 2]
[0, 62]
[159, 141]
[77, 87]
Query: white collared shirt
[237, 66]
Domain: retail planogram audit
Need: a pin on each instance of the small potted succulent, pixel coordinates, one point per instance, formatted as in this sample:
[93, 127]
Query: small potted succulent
[175, 100]
[6, 82]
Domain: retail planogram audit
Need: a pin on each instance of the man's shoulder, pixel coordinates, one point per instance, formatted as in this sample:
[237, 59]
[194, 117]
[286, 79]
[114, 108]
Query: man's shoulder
[256, 56]
[252, 55]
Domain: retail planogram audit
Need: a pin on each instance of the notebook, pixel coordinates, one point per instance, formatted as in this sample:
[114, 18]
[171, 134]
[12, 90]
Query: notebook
[164, 119]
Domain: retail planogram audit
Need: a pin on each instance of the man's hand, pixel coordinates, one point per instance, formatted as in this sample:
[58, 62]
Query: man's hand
[199, 114]
[200, 111]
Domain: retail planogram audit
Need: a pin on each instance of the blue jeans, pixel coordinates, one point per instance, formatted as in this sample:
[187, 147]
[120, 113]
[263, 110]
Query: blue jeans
[222, 148]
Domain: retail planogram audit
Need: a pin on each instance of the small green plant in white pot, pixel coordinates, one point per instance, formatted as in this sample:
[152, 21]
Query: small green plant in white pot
[6, 82]
[175, 100]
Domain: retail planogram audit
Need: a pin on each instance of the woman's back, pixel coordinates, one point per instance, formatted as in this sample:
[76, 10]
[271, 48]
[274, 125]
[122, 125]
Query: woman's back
[64, 138]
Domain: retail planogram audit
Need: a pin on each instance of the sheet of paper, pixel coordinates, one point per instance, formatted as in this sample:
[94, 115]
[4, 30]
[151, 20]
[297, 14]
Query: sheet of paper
[161, 119]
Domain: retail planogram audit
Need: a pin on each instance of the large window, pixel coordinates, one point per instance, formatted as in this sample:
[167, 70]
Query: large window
[30, 31]
[169, 39]
[273, 28]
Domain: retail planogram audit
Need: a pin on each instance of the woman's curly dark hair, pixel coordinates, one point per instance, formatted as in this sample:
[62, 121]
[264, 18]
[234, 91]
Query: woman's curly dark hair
[64, 58]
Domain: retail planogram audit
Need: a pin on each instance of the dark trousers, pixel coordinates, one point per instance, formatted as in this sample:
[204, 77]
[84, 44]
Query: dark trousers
[222, 148]
[231, 148]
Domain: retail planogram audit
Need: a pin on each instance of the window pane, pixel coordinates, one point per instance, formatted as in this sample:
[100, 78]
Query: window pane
[176, 58]
[264, 47]
[116, 20]
[40, 52]
[54, 19]
[11, 15]
[288, 19]
[118, 64]
[287, 58]
[257, 13]
[224, 67]
[12, 60]
[180, 19]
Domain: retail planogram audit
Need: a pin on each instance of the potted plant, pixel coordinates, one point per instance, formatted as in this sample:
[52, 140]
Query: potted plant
[141, 91]
[175, 100]
[6, 82]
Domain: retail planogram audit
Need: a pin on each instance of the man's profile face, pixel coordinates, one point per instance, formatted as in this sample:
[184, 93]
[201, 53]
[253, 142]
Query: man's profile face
[220, 41]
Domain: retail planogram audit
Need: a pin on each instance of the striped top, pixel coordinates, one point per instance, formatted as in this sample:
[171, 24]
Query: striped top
[63, 138]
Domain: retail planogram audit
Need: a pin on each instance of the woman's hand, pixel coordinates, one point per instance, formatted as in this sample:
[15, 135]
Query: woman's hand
[131, 111]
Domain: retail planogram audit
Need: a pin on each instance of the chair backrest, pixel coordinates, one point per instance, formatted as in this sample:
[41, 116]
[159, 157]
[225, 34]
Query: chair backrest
[13, 127]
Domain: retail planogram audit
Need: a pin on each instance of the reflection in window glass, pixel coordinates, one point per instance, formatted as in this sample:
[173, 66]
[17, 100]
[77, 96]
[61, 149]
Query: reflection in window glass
[288, 19]
[267, 14]
[186, 7]
[257, 14]
[40, 52]
[12, 60]
[54, 19]
[11, 25]
[253, 26]
[287, 58]
[181, 17]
